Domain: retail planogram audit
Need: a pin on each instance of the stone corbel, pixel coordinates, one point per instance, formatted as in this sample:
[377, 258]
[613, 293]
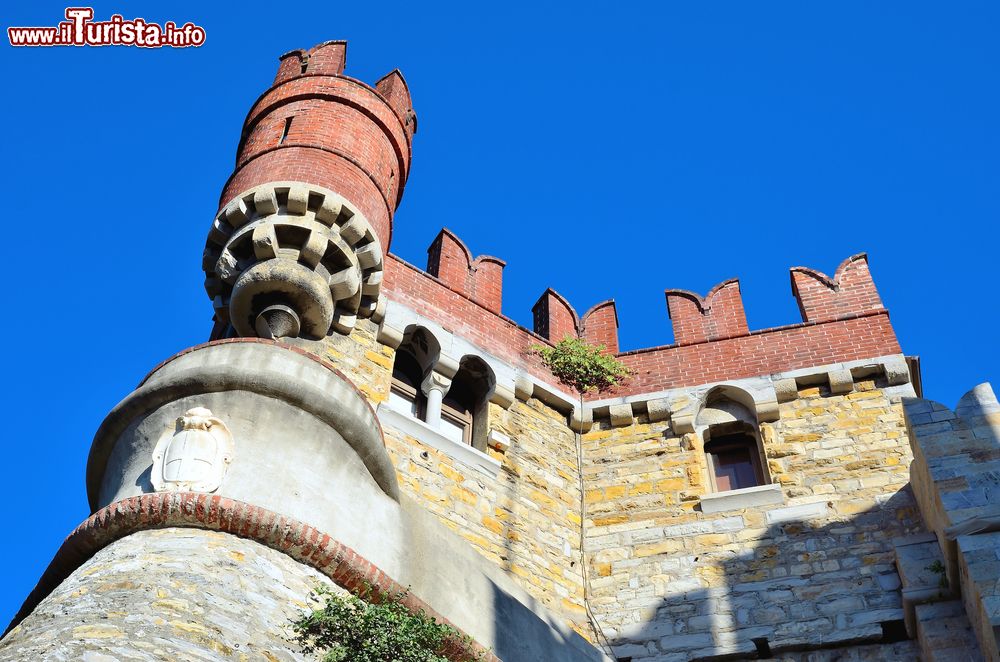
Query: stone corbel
[580, 423]
[683, 411]
[658, 410]
[786, 390]
[390, 335]
[766, 402]
[897, 372]
[621, 414]
[502, 395]
[523, 386]
[841, 381]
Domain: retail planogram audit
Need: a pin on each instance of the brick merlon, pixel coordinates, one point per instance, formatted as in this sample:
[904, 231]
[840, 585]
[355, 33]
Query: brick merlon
[719, 314]
[851, 291]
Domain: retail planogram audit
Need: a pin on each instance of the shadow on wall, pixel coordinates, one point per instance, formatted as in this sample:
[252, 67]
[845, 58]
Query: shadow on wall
[526, 637]
[796, 587]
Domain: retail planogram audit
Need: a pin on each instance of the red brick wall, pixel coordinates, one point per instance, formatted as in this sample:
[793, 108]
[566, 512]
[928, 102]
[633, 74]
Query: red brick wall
[761, 353]
[344, 135]
[600, 326]
[719, 315]
[858, 335]
[850, 291]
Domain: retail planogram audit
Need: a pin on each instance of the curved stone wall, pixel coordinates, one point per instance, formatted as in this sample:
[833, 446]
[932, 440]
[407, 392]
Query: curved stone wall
[171, 594]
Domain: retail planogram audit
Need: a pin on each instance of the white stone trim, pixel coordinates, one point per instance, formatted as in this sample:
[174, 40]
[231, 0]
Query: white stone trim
[390, 417]
[766, 390]
[748, 497]
[398, 318]
[806, 511]
[498, 441]
[680, 405]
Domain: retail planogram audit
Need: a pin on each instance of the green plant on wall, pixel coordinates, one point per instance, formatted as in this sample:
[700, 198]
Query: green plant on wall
[583, 366]
[372, 628]
[938, 569]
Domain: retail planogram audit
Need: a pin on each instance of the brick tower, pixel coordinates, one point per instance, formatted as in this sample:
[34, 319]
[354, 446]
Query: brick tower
[356, 420]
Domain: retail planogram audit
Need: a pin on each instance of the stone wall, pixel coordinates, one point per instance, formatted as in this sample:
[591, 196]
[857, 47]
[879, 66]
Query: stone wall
[526, 518]
[172, 594]
[671, 581]
[956, 476]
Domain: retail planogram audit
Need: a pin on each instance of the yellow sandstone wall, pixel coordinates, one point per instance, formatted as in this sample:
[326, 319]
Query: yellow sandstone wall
[816, 569]
[526, 519]
[668, 580]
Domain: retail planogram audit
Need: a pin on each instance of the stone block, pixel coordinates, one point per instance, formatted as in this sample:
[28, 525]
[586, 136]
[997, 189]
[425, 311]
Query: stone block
[798, 513]
[621, 414]
[786, 390]
[499, 441]
[264, 201]
[841, 381]
[749, 497]
[298, 200]
[658, 410]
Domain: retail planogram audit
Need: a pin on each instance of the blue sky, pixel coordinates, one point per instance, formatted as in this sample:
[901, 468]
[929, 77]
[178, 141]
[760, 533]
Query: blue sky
[605, 150]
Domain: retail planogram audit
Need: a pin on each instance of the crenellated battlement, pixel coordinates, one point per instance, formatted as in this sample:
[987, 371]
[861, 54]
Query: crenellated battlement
[481, 278]
[719, 314]
[319, 133]
[843, 319]
[851, 291]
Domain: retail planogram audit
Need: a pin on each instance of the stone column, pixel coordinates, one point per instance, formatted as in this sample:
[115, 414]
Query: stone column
[435, 387]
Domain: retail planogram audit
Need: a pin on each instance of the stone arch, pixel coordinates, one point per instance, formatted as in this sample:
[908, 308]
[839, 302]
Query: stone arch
[423, 345]
[470, 392]
[729, 429]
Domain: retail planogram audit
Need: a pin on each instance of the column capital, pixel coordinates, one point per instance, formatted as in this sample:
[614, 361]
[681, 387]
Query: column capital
[435, 381]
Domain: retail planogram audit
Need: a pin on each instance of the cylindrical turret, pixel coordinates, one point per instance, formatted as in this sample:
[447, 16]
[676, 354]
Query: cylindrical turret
[307, 214]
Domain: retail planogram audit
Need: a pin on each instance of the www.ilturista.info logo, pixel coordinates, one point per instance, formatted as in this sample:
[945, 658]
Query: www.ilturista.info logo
[79, 29]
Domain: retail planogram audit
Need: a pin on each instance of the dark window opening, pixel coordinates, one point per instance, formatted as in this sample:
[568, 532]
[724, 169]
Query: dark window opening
[893, 631]
[459, 407]
[734, 461]
[465, 409]
[284, 131]
[406, 377]
[305, 65]
[763, 647]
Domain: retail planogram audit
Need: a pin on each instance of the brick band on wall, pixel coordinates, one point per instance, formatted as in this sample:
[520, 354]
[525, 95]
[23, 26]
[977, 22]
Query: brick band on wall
[298, 540]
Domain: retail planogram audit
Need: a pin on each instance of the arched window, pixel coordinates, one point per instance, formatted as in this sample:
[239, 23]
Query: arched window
[405, 393]
[733, 450]
[415, 356]
[465, 409]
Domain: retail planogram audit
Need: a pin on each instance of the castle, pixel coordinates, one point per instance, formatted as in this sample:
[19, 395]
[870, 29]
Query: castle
[777, 494]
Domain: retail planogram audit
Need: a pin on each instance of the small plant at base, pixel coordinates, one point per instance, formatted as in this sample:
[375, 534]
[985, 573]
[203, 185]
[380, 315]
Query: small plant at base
[583, 366]
[938, 568]
[349, 628]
